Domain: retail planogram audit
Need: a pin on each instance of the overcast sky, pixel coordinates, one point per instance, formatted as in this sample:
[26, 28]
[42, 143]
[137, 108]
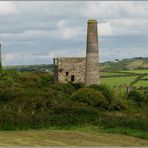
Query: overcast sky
[35, 32]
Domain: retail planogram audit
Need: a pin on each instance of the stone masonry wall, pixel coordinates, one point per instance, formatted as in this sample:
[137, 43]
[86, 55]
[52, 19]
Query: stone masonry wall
[69, 69]
[92, 54]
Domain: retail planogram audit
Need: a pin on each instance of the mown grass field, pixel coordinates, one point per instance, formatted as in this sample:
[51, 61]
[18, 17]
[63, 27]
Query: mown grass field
[69, 137]
[117, 78]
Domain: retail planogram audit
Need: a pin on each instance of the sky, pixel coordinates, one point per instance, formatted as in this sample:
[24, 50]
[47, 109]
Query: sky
[34, 32]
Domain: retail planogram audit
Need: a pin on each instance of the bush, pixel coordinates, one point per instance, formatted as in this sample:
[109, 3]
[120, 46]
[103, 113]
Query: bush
[118, 104]
[106, 91]
[7, 94]
[67, 88]
[90, 97]
[129, 120]
[137, 97]
[45, 79]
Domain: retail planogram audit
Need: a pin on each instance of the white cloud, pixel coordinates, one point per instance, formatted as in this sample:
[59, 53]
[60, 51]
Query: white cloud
[61, 23]
[66, 53]
[7, 8]
[115, 9]
[105, 29]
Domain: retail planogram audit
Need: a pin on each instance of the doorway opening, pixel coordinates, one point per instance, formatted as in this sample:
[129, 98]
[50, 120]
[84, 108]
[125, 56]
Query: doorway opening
[72, 78]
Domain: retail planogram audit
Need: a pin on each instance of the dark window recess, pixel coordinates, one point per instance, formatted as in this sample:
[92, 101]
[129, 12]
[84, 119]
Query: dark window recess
[72, 78]
[67, 73]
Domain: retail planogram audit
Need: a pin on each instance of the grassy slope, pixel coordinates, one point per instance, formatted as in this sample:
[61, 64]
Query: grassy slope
[72, 137]
[116, 81]
[136, 71]
[133, 63]
[116, 78]
[141, 83]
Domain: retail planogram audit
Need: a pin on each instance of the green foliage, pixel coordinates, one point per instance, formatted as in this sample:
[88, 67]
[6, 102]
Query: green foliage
[118, 104]
[137, 97]
[128, 131]
[31, 68]
[0, 67]
[132, 120]
[10, 93]
[90, 97]
[31, 100]
[106, 91]
[67, 88]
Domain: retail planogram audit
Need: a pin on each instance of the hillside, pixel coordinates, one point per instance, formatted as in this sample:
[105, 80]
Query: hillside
[125, 64]
[31, 68]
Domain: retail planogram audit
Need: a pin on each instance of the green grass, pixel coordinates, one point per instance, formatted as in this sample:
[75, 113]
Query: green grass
[124, 131]
[142, 83]
[116, 81]
[116, 78]
[145, 77]
[136, 71]
[112, 74]
[130, 132]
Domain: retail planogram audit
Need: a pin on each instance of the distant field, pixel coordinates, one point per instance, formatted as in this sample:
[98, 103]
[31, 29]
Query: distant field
[116, 81]
[137, 71]
[116, 78]
[141, 83]
[76, 137]
[112, 74]
[146, 77]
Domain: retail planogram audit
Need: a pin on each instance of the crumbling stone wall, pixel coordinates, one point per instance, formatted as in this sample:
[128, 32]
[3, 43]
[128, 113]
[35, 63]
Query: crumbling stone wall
[69, 69]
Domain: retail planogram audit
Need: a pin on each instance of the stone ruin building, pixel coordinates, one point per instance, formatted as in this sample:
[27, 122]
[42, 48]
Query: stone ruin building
[69, 69]
[81, 69]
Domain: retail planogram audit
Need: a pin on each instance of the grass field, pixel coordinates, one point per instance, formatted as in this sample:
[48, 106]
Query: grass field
[141, 83]
[116, 78]
[137, 71]
[116, 81]
[110, 74]
[72, 137]
[145, 77]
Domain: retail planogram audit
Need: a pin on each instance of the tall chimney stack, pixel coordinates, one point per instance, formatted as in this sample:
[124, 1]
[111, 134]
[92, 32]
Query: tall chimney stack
[0, 59]
[92, 54]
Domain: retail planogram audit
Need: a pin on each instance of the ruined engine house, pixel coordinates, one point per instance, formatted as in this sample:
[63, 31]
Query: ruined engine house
[80, 69]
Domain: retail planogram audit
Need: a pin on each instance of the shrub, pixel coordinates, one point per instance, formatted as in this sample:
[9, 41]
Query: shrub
[44, 80]
[77, 85]
[124, 120]
[67, 88]
[90, 97]
[7, 94]
[118, 104]
[106, 91]
[137, 97]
